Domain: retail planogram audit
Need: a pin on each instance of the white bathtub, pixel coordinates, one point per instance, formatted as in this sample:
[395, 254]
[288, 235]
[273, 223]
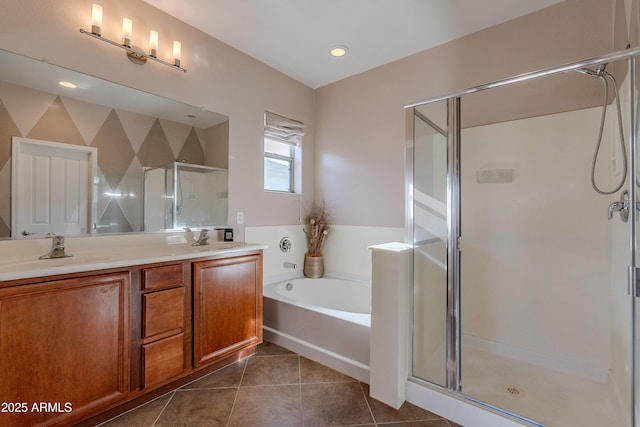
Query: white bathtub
[327, 320]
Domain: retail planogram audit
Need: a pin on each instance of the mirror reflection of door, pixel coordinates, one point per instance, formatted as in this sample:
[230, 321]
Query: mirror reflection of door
[52, 188]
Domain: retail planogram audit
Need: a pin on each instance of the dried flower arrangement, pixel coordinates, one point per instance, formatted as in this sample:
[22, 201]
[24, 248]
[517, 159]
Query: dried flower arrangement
[316, 228]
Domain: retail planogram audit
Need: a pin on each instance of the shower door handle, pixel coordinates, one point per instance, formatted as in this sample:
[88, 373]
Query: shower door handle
[634, 281]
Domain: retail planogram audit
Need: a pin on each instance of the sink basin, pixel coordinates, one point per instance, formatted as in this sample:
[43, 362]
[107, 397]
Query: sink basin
[31, 263]
[229, 245]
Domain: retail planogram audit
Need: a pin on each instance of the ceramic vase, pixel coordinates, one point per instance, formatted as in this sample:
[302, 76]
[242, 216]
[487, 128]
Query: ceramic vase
[313, 266]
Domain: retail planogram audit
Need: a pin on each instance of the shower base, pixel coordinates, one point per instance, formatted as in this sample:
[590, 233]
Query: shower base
[543, 395]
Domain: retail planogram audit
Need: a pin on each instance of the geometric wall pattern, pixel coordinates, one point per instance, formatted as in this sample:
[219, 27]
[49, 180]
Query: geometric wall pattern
[127, 142]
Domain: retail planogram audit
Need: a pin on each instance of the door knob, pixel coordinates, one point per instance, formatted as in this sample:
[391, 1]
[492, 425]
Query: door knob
[27, 232]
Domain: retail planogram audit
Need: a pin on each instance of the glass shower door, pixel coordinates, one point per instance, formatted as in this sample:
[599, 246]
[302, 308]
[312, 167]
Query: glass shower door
[428, 204]
[544, 310]
[521, 213]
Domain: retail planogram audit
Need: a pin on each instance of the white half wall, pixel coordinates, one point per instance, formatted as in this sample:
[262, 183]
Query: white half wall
[346, 250]
[346, 253]
[273, 257]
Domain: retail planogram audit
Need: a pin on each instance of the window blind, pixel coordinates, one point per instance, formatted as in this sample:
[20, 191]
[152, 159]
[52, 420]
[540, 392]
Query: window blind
[282, 129]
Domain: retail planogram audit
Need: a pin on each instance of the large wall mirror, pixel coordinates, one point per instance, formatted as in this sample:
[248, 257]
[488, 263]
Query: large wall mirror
[135, 133]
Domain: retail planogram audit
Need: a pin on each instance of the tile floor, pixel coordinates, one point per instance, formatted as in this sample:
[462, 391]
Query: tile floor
[278, 388]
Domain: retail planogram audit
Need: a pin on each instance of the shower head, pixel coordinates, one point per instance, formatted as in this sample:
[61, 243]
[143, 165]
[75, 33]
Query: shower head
[600, 71]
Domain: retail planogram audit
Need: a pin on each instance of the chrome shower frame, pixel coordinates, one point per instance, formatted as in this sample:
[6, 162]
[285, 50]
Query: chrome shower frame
[453, 362]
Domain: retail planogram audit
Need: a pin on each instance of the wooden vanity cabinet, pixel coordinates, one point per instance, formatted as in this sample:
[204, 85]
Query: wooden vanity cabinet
[227, 306]
[64, 348]
[84, 347]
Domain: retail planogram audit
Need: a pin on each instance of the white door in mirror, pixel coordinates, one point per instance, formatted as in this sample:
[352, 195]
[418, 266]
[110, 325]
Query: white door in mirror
[52, 188]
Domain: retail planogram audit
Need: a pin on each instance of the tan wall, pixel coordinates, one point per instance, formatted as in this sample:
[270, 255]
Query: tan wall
[219, 78]
[360, 120]
[358, 153]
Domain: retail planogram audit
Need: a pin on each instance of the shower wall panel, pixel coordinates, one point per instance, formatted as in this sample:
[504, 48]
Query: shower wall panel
[536, 242]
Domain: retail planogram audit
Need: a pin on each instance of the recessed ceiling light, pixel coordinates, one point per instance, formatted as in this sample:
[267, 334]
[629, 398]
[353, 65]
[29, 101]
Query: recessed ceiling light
[67, 84]
[339, 51]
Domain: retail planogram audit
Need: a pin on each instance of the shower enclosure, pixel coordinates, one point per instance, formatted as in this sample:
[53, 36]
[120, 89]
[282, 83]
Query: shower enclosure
[524, 260]
[185, 195]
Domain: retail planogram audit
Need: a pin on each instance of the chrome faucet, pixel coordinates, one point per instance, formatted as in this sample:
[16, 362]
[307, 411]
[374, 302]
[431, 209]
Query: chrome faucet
[622, 206]
[57, 248]
[289, 265]
[203, 238]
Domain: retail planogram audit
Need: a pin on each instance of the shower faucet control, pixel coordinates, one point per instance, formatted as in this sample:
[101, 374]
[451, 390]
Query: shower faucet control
[622, 206]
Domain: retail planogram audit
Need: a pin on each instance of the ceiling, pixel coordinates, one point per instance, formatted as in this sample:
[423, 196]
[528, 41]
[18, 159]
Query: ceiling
[295, 36]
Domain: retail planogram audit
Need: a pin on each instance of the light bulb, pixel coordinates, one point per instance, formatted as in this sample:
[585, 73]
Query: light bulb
[127, 27]
[339, 51]
[177, 53]
[67, 84]
[153, 43]
[96, 19]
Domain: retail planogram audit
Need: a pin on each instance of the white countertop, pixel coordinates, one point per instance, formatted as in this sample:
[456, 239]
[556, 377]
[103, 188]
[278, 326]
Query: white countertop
[19, 259]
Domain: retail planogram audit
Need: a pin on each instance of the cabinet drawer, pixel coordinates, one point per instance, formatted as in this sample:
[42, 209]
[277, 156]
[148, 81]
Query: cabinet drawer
[162, 360]
[163, 312]
[162, 277]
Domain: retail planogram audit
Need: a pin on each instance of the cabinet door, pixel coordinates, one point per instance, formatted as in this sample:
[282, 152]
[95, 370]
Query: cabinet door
[64, 348]
[227, 306]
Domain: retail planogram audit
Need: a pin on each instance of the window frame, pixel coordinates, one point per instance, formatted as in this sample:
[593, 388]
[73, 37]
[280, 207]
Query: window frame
[290, 159]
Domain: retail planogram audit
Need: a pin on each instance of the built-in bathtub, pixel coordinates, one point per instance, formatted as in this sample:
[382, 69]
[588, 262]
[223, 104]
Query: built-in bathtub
[326, 320]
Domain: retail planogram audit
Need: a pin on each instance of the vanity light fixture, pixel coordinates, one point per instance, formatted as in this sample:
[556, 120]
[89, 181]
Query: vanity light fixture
[135, 54]
[339, 51]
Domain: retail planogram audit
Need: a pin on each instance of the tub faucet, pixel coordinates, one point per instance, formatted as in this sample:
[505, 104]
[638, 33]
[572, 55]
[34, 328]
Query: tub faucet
[289, 265]
[57, 248]
[203, 238]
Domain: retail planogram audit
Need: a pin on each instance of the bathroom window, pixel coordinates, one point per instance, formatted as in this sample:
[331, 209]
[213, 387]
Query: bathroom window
[282, 140]
[278, 166]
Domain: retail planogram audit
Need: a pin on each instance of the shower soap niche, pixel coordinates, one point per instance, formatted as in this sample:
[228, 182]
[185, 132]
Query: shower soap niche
[494, 176]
